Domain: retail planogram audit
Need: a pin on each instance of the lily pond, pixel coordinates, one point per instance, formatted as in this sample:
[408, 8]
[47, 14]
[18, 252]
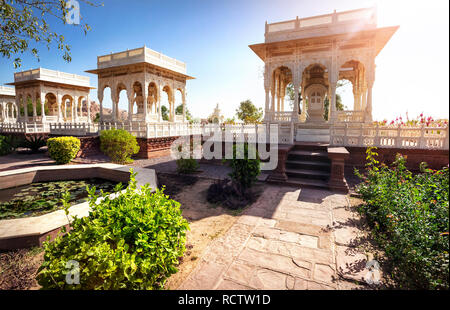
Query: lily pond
[40, 198]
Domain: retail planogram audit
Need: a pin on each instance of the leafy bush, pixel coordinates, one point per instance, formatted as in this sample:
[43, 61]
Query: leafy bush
[245, 170]
[188, 165]
[133, 241]
[244, 173]
[34, 143]
[410, 219]
[119, 145]
[6, 145]
[63, 149]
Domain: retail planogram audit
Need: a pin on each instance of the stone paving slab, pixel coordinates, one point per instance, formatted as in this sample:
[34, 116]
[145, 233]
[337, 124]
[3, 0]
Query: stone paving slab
[288, 240]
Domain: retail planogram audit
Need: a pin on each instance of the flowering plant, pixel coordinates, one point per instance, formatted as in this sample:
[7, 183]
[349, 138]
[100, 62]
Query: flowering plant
[421, 120]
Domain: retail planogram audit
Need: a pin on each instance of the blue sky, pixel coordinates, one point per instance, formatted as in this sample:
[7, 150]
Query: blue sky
[212, 37]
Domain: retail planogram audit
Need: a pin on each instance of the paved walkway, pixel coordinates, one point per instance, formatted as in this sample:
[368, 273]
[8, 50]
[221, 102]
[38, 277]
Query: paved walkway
[288, 239]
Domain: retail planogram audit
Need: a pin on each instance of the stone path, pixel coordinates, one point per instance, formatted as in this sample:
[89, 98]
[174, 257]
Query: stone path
[288, 239]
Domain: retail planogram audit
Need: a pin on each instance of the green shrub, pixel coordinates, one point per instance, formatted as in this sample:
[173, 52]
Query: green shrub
[244, 169]
[63, 149]
[410, 219]
[188, 165]
[6, 145]
[119, 145]
[133, 241]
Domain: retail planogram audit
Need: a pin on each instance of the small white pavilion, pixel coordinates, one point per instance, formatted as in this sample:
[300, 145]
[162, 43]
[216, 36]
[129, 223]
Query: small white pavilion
[8, 108]
[145, 75]
[47, 96]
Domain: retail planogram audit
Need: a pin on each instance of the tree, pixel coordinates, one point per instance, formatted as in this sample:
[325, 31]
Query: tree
[249, 113]
[24, 24]
[179, 111]
[164, 113]
[291, 94]
[326, 104]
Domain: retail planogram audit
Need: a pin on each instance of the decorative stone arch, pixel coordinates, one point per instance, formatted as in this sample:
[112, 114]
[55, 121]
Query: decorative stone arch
[357, 77]
[67, 106]
[50, 104]
[167, 88]
[152, 97]
[136, 97]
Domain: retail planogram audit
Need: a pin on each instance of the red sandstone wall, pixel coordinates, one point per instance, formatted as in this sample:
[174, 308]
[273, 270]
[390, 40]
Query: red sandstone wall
[436, 159]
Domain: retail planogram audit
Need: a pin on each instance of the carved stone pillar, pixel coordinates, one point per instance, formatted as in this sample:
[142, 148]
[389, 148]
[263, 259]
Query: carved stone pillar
[75, 109]
[58, 104]
[368, 111]
[294, 117]
[159, 90]
[43, 116]
[332, 114]
[184, 104]
[34, 104]
[100, 100]
[144, 100]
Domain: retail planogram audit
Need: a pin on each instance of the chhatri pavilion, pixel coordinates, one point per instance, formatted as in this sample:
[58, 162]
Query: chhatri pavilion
[313, 54]
[55, 97]
[145, 75]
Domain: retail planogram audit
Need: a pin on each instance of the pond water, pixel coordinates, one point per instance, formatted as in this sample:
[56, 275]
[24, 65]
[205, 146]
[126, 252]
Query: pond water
[40, 198]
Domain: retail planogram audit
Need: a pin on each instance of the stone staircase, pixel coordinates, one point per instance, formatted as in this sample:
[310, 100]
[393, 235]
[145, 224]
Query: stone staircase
[307, 165]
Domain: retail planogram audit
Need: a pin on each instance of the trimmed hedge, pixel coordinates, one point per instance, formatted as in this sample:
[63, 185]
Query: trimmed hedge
[133, 241]
[119, 145]
[63, 149]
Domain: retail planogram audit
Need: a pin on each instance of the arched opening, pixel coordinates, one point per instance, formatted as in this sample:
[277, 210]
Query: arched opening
[21, 111]
[351, 87]
[11, 111]
[315, 88]
[122, 103]
[67, 108]
[178, 103]
[281, 78]
[82, 109]
[166, 106]
[152, 98]
[50, 106]
[137, 106]
[106, 104]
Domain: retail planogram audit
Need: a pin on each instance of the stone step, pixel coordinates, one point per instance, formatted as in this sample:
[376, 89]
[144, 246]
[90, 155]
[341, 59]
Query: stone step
[306, 155]
[307, 164]
[308, 174]
[311, 146]
[306, 183]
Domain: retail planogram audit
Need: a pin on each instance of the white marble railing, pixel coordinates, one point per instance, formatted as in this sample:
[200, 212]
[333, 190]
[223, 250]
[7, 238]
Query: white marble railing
[361, 16]
[73, 129]
[23, 127]
[279, 117]
[364, 135]
[350, 116]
